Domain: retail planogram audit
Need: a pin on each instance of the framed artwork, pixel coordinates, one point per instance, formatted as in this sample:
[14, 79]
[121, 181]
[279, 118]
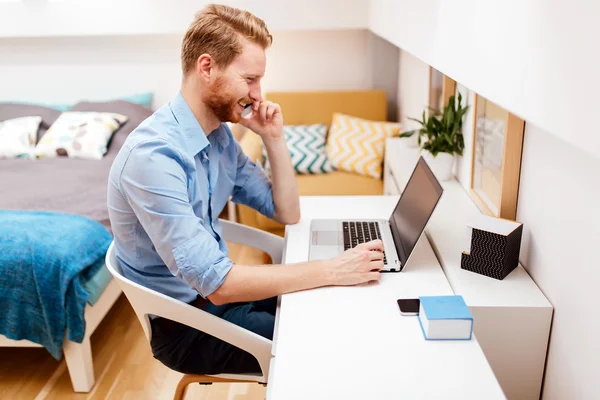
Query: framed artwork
[441, 88]
[496, 168]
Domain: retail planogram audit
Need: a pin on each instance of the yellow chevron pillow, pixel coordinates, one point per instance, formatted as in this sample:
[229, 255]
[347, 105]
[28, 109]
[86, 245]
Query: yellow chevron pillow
[357, 145]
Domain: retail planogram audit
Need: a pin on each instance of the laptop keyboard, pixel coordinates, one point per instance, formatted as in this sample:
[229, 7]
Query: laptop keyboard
[357, 232]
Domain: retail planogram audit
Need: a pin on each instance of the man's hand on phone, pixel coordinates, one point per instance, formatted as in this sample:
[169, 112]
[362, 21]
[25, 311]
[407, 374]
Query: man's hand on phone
[266, 120]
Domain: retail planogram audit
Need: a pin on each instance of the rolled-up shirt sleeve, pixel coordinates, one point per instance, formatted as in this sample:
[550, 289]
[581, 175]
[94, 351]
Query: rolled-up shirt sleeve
[154, 181]
[252, 185]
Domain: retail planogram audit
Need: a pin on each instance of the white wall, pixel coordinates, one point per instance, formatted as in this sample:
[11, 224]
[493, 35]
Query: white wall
[413, 84]
[462, 167]
[57, 70]
[43, 18]
[384, 61]
[326, 60]
[558, 205]
[65, 70]
[537, 59]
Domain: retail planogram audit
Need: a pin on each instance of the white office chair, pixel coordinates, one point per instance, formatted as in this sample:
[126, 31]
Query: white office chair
[146, 301]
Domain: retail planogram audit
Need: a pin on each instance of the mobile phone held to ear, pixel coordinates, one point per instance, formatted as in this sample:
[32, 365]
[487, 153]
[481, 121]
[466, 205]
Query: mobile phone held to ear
[247, 110]
[409, 306]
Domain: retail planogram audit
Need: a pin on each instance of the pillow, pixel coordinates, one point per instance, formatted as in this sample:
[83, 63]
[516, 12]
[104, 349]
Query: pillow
[143, 99]
[80, 135]
[357, 145]
[306, 144]
[136, 114]
[14, 110]
[18, 137]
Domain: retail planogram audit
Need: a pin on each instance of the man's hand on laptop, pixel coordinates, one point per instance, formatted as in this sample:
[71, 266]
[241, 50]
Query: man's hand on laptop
[358, 265]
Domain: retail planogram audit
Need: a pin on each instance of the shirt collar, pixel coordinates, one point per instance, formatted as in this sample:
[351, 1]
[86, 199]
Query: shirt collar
[221, 136]
[194, 134]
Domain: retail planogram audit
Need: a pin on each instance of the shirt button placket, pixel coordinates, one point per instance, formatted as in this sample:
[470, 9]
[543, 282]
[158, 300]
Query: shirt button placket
[206, 161]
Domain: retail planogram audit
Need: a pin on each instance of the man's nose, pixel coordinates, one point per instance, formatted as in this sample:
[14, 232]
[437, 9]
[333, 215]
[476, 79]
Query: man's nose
[256, 93]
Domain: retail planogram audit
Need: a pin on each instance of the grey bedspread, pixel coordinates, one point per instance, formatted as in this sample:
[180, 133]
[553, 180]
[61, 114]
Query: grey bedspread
[64, 184]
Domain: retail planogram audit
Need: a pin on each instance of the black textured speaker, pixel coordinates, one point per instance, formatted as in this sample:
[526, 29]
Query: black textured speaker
[495, 245]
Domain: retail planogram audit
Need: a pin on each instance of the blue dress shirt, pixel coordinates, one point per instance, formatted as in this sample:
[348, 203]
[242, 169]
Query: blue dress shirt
[166, 189]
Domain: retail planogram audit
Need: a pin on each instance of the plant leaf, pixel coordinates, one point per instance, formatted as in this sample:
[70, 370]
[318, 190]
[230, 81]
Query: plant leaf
[441, 132]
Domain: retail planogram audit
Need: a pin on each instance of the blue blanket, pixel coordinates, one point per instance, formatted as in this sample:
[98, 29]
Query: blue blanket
[45, 260]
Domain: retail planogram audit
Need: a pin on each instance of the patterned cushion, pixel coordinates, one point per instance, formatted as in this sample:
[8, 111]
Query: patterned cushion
[18, 137]
[306, 144]
[80, 135]
[357, 145]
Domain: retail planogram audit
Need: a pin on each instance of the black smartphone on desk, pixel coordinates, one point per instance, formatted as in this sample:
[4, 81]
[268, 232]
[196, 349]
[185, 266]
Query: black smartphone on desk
[409, 306]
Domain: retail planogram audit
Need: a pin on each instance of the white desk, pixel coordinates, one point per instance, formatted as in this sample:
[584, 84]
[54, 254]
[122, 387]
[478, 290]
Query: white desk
[514, 316]
[352, 342]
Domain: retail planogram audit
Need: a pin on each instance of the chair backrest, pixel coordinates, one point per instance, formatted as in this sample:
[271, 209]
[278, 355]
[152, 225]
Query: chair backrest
[131, 289]
[147, 302]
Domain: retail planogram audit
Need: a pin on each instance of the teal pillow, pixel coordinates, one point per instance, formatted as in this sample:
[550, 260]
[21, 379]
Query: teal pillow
[59, 107]
[306, 144]
[143, 99]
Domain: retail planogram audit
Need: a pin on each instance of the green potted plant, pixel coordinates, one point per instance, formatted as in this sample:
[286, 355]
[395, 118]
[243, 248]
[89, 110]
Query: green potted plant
[440, 137]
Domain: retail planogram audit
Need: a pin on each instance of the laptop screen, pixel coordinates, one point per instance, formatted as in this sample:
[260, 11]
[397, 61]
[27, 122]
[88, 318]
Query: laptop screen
[415, 207]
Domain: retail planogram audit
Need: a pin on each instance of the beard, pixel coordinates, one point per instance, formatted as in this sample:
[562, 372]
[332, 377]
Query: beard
[222, 103]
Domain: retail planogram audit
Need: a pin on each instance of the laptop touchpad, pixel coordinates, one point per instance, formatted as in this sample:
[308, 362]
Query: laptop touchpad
[325, 238]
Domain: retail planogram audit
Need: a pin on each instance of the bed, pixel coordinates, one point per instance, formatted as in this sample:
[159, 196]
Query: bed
[75, 186]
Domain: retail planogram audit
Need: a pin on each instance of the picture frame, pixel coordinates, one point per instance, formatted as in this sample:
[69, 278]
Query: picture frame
[496, 158]
[440, 89]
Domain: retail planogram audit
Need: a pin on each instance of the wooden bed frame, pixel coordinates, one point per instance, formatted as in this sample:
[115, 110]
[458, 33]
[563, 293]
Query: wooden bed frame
[79, 355]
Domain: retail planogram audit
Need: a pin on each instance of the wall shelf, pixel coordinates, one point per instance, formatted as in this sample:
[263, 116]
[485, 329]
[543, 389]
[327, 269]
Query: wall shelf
[532, 59]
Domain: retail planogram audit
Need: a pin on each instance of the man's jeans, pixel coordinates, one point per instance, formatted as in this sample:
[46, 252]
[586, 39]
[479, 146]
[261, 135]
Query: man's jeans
[190, 351]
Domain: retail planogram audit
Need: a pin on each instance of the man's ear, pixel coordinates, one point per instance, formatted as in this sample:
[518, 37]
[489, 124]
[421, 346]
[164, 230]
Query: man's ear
[204, 66]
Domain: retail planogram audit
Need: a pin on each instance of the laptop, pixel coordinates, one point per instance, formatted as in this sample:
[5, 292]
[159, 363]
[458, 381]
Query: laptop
[400, 234]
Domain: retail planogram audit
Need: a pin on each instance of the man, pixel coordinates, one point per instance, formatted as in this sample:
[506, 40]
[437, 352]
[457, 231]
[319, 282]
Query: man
[173, 177]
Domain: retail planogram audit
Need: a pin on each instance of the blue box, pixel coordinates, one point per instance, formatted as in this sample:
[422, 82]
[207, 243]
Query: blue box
[445, 318]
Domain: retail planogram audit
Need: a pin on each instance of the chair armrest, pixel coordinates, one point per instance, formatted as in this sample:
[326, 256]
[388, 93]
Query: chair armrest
[246, 235]
[229, 332]
[252, 146]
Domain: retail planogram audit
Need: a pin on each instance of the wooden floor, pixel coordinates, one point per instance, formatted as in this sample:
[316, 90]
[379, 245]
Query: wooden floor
[123, 363]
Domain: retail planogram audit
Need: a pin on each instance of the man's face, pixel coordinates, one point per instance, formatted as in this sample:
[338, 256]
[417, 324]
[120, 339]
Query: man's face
[237, 85]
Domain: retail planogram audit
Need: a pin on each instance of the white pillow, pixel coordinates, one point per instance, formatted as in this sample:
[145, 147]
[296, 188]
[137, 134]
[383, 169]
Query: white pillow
[18, 137]
[80, 135]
